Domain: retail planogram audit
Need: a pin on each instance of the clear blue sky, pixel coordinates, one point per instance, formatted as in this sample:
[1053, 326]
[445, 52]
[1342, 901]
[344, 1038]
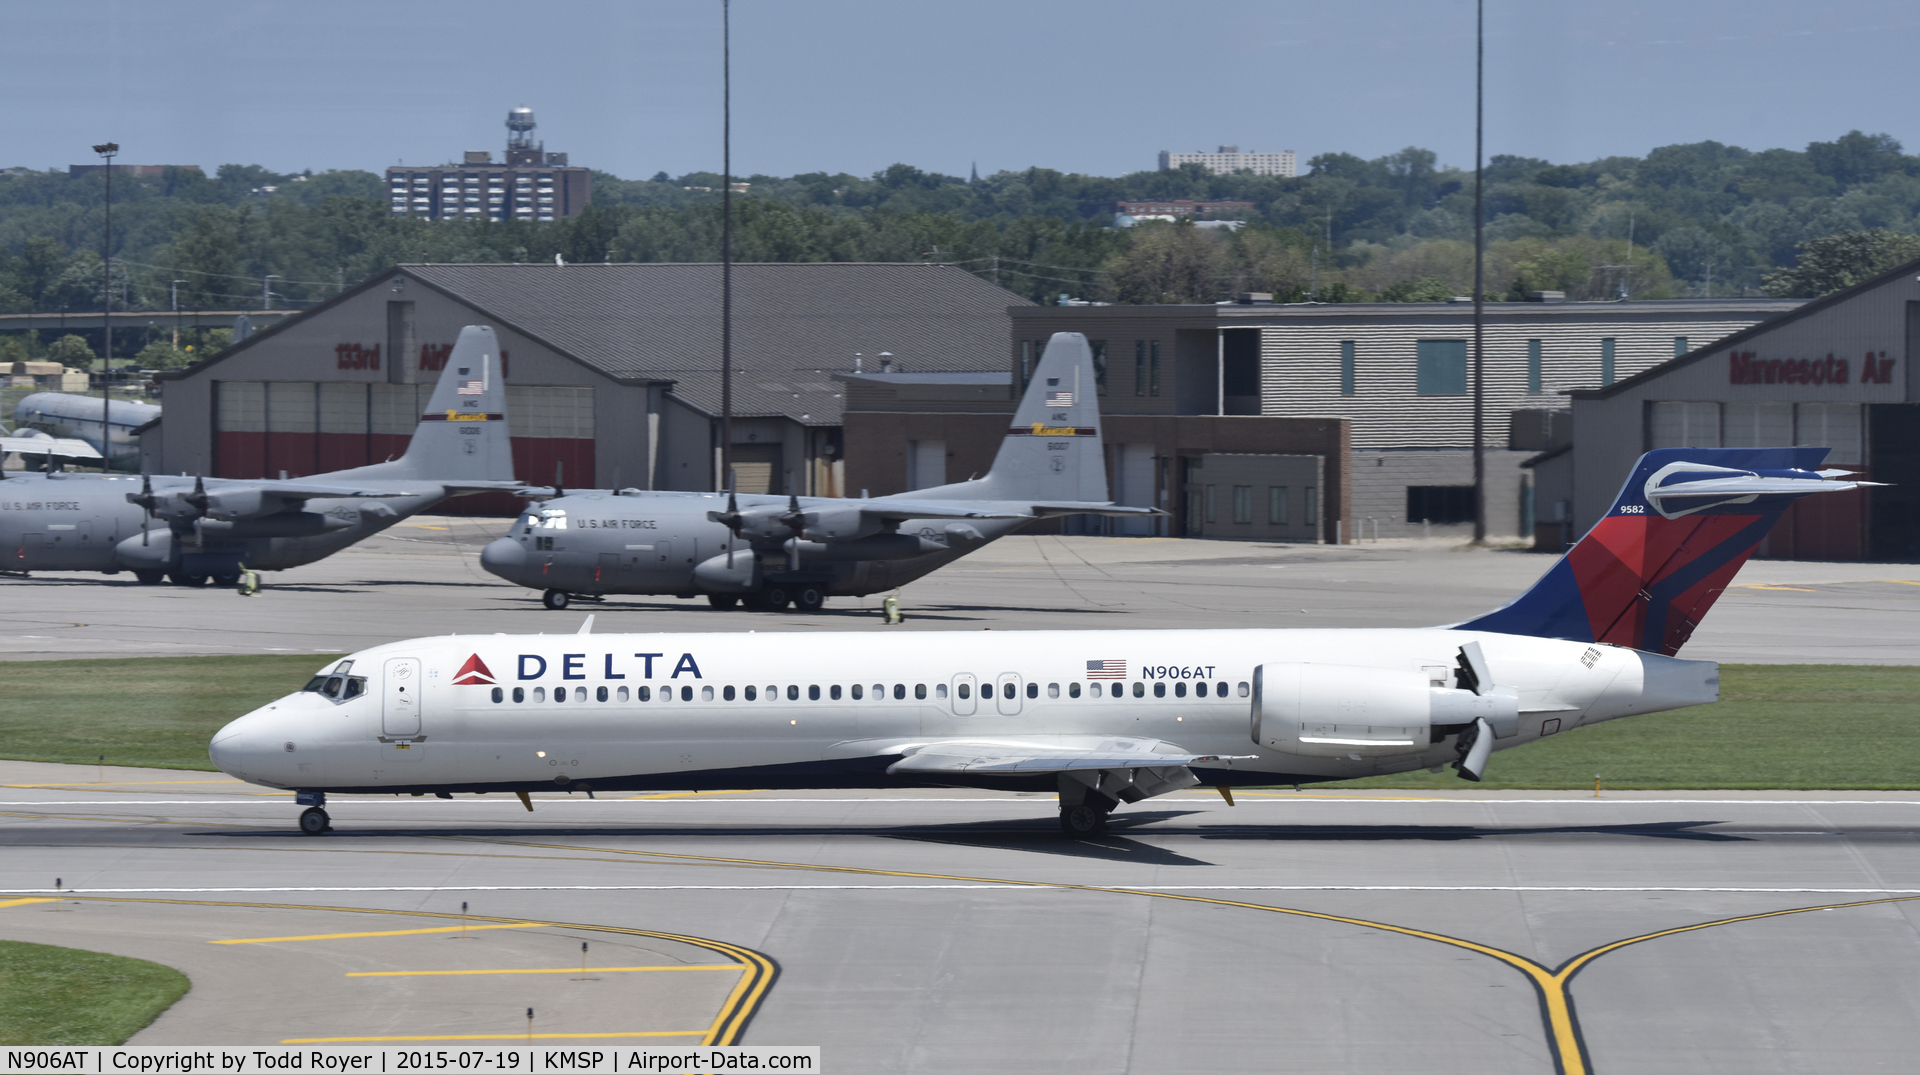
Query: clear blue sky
[855, 85]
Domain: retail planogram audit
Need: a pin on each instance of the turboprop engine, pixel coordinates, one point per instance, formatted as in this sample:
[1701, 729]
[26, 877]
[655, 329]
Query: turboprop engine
[1338, 711]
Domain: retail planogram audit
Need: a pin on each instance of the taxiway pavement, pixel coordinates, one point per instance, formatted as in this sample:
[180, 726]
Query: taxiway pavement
[957, 932]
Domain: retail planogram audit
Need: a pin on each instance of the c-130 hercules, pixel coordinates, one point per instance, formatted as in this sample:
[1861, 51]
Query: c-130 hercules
[772, 551]
[195, 529]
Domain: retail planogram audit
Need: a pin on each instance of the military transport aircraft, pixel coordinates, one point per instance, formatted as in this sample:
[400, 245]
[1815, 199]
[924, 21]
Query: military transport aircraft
[193, 529]
[89, 419]
[1101, 717]
[772, 550]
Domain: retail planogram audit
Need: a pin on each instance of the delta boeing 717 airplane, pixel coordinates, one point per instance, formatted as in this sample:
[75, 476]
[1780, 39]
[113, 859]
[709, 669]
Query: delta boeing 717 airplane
[1104, 718]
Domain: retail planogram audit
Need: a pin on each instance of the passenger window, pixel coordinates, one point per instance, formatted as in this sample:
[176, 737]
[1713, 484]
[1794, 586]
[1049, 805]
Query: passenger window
[793, 692]
[899, 691]
[1033, 690]
[727, 694]
[753, 693]
[519, 694]
[813, 692]
[579, 694]
[706, 694]
[939, 690]
[1073, 690]
[1053, 690]
[1243, 690]
[1139, 689]
[833, 692]
[600, 694]
[773, 693]
[645, 694]
[965, 691]
[1159, 690]
[1180, 690]
[919, 690]
[621, 694]
[498, 695]
[686, 694]
[666, 694]
[539, 694]
[857, 692]
[1007, 689]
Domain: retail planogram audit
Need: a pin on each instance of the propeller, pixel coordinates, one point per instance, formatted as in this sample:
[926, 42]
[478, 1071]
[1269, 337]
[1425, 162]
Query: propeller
[144, 499]
[795, 521]
[197, 500]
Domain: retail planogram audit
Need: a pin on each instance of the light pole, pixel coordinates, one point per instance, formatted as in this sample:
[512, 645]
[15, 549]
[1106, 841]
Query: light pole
[107, 150]
[726, 247]
[266, 290]
[1479, 282]
[173, 299]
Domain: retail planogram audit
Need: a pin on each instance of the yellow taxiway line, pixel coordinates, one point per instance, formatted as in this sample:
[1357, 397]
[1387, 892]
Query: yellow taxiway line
[542, 970]
[381, 933]
[35, 899]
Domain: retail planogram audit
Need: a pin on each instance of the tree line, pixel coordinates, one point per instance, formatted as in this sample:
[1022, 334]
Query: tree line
[1697, 219]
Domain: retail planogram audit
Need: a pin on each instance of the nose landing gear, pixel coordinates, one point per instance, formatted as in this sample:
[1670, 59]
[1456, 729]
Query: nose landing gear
[314, 821]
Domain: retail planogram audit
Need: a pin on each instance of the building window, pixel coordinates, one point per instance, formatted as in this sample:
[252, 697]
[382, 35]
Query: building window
[1533, 366]
[1346, 367]
[1311, 502]
[1606, 361]
[1440, 503]
[1679, 346]
[1153, 368]
[1099, 348]
[1683, 425]
[1440, 367]
[1139, 367]
[1243, 504]
[1276, 505]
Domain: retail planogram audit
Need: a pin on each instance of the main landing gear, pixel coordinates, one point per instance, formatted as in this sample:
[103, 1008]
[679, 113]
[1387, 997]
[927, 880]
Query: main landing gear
[555, 599]
[1083, 820]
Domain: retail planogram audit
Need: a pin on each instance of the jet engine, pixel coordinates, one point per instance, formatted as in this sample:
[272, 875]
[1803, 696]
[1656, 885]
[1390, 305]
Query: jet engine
[1338, 711]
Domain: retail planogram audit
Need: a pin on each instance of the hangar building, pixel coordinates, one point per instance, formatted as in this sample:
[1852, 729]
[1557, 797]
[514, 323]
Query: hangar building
[613, 371]
[1835, 372]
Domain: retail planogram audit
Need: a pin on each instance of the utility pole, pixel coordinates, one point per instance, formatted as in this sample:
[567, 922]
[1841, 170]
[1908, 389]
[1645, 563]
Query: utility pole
[107, 150]
[725, 477]
[173, 300]
[266, 290]
[1479, 278]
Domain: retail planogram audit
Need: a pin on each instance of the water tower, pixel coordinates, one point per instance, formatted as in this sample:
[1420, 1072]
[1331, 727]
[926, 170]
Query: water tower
[521, 148]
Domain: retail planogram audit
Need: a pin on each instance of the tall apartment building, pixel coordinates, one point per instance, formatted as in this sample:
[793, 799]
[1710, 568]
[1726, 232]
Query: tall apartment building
[532, 185]
[1229, 160]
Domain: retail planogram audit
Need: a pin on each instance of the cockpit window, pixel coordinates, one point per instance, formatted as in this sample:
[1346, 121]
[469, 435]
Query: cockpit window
[336, 687]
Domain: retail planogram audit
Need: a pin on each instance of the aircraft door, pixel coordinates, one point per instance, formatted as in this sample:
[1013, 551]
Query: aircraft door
[400, 698]
[963, 696]
[1008, 693]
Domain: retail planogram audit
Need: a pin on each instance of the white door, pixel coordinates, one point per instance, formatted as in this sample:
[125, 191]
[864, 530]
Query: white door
[1008, 694]
[963, 699]
[400, 704]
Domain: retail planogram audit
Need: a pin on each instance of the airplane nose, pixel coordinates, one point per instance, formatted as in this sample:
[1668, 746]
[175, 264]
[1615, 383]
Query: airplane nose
[504, 557]
[242, 748]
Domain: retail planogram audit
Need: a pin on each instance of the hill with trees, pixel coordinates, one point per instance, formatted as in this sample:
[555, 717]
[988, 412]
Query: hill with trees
[1691, 219]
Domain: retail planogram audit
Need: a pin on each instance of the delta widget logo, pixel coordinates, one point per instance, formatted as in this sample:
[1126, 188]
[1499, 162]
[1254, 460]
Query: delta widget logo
[474, 673]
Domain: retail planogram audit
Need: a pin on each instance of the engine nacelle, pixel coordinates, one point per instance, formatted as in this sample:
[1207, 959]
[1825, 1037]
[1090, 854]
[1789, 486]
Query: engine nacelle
[278, 524]
[842, 524]
[1337, 711]
[245, 502]
[735, 572]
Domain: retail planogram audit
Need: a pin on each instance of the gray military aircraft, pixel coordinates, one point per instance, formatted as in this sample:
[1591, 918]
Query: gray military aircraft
[108, 430]
[771, 552]
[195, 529]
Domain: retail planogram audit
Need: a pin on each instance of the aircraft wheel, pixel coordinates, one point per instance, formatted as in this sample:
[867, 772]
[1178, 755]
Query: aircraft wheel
[1082, 820]
[774, 597]
[188, 580]
[226, 580]
[150, 578]
[723, 600]
[555, 599]
[809, 598]
[314, 821]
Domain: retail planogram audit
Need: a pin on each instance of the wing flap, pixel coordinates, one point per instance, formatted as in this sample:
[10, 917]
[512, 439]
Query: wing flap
[1046, 756]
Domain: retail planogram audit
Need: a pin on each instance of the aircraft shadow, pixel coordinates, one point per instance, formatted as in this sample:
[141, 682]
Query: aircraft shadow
[1656, 830]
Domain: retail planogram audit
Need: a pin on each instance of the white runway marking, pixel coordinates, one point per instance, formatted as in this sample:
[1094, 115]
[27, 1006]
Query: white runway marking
[1036, 886]
[1248, 801]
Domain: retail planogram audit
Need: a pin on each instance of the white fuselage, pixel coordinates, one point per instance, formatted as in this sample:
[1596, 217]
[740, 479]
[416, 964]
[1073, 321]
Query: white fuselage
[698, 711]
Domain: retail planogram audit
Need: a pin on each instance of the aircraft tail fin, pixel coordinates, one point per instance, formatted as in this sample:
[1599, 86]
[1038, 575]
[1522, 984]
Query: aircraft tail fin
[1683, 524]
[1052, 451]
[462, 435]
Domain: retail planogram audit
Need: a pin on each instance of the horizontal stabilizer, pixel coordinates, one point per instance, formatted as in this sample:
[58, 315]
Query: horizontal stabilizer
[892, 510]
[1048, 511]
[1046, 755]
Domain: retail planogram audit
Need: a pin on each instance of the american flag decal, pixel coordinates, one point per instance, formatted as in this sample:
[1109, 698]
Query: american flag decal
[1059, 399]
[472, 388]
[1106, 669]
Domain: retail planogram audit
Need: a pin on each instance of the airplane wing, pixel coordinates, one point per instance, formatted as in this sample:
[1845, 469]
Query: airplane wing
[482, 487]
[1048, 511]
[42, 445]
[1052, 755]
[299, 490]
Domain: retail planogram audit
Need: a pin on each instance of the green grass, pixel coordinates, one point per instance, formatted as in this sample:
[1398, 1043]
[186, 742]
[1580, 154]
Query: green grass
[1778, 726]
[146, 711]
[1823, 726]
[67, 996]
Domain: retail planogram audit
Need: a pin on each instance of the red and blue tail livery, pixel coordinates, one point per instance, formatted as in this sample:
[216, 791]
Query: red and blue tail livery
[1648, 571]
